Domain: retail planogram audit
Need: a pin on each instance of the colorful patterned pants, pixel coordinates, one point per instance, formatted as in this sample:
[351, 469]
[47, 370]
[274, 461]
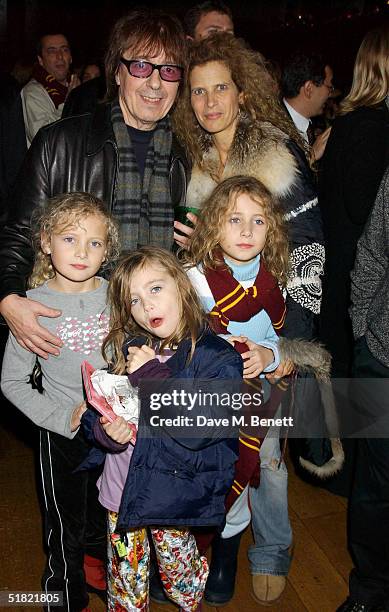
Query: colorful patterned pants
[183, 571]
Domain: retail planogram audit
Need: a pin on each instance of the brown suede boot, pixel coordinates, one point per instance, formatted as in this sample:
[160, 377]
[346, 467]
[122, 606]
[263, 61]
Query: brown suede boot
[267, 589]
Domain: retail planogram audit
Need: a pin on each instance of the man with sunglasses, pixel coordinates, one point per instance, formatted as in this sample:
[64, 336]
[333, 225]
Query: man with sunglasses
[125, 154]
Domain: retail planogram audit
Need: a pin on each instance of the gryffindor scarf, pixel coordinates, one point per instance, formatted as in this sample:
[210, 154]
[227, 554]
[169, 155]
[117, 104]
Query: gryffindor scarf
[234, 303]
[56, 90]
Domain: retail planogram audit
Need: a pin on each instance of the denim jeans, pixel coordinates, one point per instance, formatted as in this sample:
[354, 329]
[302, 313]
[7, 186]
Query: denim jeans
[269, 508]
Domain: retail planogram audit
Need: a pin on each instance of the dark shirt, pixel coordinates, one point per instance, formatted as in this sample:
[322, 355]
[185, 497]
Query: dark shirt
[140, 141]
[13, 145]
[85, 97]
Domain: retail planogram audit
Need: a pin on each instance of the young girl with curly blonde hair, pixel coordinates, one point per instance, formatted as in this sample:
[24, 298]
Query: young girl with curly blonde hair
[239, 259]
[74, 236]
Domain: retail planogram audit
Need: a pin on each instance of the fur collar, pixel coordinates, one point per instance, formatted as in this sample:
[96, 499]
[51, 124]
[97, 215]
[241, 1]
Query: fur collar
[258, 150]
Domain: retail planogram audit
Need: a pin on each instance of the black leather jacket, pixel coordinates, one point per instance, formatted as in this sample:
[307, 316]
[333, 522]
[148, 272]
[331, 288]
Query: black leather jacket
[73, 154]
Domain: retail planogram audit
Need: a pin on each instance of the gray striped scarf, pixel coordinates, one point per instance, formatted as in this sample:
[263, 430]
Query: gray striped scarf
[145, 211]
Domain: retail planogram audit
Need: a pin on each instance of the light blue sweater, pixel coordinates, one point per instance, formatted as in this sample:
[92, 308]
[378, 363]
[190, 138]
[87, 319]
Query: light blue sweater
[259, 329]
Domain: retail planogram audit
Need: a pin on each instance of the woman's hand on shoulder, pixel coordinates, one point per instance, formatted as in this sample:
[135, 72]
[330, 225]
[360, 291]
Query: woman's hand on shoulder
[138, 356]
[119, 430]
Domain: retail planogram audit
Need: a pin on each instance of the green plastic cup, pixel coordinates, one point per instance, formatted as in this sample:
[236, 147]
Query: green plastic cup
[180, 213]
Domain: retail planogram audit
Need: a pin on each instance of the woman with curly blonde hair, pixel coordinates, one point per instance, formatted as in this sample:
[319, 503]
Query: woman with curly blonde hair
[231, 124]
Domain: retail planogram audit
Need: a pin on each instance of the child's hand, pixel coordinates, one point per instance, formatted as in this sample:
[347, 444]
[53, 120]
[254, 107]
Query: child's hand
[256, 359]
[119, 430]
[233, 339]
[137, 357]
[284, 369]
[75, 421]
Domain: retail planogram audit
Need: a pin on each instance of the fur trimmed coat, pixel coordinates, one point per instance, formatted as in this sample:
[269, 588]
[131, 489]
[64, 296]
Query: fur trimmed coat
[266, 153]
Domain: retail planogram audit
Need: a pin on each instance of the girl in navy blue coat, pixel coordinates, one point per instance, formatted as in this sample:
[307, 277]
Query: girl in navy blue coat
[158, 331]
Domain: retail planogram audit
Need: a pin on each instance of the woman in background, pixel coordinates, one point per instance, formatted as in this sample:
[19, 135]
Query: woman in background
[353, 165]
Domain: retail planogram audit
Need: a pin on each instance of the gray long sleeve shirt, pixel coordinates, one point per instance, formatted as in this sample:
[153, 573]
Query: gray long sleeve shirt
[370, 279]
[82, 328]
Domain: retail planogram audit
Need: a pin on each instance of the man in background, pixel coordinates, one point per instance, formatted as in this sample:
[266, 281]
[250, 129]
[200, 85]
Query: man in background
[206, 18]
[44, 95]
[306, 85]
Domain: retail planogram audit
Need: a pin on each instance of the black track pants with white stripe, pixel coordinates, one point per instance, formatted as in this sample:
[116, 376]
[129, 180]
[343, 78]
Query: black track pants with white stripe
[75, 523]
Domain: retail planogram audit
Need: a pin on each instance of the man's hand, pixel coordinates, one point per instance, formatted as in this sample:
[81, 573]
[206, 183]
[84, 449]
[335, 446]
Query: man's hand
[119, 430]
[184, 241]
[319, 145]
[21, 315]
[75, 421]
[284, 369]
[138, 356]
[74, 82]
[256, 359]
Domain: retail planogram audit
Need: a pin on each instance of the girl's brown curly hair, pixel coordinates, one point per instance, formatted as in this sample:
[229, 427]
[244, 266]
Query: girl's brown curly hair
[204, 243]
[249, 73]
[57, 215]
[123, 325]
